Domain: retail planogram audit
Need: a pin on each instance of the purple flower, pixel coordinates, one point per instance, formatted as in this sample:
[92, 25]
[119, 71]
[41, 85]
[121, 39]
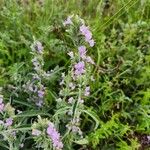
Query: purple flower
[87, 91]
[84, 29]
[36, 132]
[36, 64]
[82, 51]
[67, 21]
[55, 136]
[86, 32]
[39, 47]
[91, 42]
[79, 68]
[148, 137]
[41, 93]
[39, 103]
[9, 122]
[88, 35]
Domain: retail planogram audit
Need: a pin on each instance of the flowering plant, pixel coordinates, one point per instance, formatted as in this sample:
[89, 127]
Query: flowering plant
[73, 94]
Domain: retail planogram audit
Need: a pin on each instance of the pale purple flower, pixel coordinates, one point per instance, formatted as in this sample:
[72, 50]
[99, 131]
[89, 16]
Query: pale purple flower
[41, 93]
[87, 91]
[9, 122]
[79, 68]
[82, 51]
[68, 21]
[36, 63]
[39, 47]
[148, 137]
[55, 136]
[39, 103]
[86, 32]
[91, 42]
[88, 36]
[84, 29]
[36, 132]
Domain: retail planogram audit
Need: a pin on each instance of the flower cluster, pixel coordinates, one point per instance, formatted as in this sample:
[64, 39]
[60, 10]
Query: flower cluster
[35, 86]
[6, 120]
[49, 131]
[79, 68]
[75, 84]
[55, 136]
[87, 34]
[37, 51]
[3, 108]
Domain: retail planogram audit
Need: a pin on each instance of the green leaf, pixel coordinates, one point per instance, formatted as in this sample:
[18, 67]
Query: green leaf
[82, 141]
[32, 113]
[94, 116]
